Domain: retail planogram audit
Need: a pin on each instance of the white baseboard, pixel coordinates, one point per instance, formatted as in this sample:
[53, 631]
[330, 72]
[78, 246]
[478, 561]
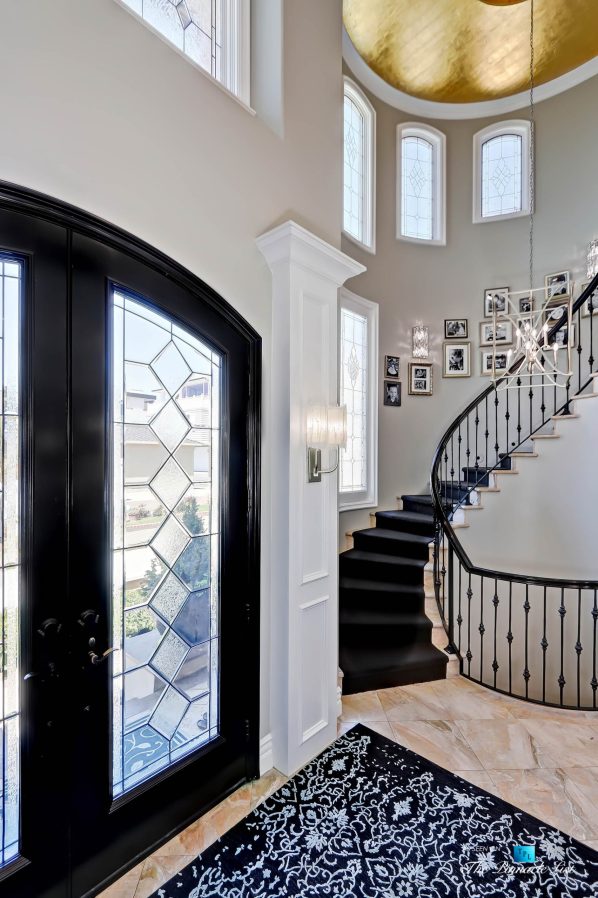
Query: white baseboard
[266, 757]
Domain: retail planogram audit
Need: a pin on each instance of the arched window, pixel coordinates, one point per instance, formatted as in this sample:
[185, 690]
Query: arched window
[359, 166]
[501, 171]
[421, 192]
[212, 33]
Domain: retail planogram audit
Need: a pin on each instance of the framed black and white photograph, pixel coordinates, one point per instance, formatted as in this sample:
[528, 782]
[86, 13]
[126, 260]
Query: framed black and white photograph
[500, 366]
[526, 305]
[392, 365]
[457, 360]
[555, 311]
[590, 306]
[558, 284]
[455, 329]
[495, 299]
[392, 393]
[489, 335]
[420, 378]
[564, 337]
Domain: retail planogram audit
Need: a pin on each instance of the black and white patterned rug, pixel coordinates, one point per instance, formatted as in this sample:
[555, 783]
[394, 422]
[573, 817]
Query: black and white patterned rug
[371, 819]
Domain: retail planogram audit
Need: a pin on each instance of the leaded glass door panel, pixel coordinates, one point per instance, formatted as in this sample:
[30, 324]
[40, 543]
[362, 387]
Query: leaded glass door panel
[129, 549]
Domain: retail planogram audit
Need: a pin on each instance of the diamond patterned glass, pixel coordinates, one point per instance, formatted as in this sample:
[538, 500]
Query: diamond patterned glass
[501, 175]
[193, 26]
[354, 170]
[10, 787]
[165, 524]
[354, 393]
[417, 188]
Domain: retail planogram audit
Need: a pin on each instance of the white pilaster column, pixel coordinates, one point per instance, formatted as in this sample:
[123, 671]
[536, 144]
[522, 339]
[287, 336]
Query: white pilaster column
[306, 275]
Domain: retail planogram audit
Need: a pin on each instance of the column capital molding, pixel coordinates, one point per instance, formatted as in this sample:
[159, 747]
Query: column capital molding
[289, 243]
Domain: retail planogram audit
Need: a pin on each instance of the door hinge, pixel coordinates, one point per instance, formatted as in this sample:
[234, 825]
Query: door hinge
[247, 730]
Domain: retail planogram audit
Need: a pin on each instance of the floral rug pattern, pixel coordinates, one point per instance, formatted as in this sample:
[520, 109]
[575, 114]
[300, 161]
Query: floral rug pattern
[371, 819]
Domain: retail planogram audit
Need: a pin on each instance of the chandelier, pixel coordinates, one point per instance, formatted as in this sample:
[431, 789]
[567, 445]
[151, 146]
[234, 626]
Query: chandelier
[538, 351]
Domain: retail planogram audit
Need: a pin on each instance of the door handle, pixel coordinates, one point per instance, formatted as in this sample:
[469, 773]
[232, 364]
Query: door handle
[99, 659]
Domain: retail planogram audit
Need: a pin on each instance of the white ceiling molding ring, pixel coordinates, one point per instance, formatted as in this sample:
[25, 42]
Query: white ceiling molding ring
[459, 111]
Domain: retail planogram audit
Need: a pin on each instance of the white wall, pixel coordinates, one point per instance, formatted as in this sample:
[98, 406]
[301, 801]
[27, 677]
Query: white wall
[428, 283]
[541, 522]
[100, 112]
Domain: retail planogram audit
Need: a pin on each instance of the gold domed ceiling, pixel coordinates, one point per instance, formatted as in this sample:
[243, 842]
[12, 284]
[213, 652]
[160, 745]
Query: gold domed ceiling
[465, 51]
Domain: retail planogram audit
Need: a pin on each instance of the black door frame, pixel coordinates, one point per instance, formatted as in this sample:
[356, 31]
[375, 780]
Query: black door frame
[121, 258]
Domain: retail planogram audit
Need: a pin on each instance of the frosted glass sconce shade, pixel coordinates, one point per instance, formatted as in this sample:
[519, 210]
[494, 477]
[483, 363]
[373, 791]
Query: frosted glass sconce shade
[421, 342]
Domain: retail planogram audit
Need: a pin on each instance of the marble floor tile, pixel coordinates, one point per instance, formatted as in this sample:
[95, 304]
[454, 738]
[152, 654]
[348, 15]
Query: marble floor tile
[266, 786]
[470, 702]
[157, 870]
[361, 707]
[557, 745]
[554, 796]
[503, 744]
[201, 834]
[126, 886]
[593, 845]
[479, 778]
[440, 741]
[412, 703]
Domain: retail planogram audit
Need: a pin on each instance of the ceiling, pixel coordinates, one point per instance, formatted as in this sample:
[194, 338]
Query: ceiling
[465, 51]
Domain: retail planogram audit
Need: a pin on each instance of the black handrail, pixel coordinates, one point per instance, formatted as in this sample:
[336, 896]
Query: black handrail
[440, 505]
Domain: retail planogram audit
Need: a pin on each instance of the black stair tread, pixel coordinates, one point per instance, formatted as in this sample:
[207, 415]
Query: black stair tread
[382, 558]
[396, 535]
[361, 584]
[409, 516]
[400, 657]
[387, 618]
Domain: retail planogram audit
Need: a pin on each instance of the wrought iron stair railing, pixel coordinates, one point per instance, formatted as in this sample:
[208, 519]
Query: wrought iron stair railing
[530, 637]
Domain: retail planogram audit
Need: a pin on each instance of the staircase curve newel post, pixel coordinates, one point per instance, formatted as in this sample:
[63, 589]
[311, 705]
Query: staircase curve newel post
[302, 670]
[451, 649]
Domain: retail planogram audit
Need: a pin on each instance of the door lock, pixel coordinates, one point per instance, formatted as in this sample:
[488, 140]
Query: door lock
[99, 659]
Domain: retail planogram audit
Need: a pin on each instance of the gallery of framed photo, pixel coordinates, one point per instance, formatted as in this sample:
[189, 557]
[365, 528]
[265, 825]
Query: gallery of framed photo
[455, 329]
[457, 360]
[392, 393]
[564, 337]
[489, 335]
[526, 305]
[420, 378]
[502, 361]
[558, 284]
[555, 311]
[392, 365]
[495, 299]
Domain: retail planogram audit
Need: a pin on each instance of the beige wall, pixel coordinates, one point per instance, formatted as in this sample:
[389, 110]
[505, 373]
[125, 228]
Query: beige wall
[428, 283]
[98, 111]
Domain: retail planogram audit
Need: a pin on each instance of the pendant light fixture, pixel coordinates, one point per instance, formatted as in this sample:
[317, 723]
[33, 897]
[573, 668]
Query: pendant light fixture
[533, 356]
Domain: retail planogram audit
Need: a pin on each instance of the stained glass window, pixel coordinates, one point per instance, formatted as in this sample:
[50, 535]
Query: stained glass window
[358, 178]
[166, 470]
[354, 394]
[213, 33]
[417, 194]
[502, 175]
[10, 294]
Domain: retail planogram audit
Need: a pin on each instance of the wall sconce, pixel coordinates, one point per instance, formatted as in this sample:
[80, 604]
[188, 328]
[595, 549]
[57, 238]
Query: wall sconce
[420, 342]
[592, 259]
[326, 426]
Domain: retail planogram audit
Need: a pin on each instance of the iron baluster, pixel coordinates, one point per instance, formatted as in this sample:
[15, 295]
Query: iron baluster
[544, 644]
[495, 602]
[578, 648]
[594, 681]
[481, 629]
[460, 616]
[562, 611]
[496, 445]
[468, 654]
[526, 673]
[518, 411]
[450, 648]
[510, 638]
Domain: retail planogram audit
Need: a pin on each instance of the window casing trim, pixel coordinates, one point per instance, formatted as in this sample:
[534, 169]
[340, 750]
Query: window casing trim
[520, 128]
[236, 50]
[438, 141]
[368, 498]
[357, 96]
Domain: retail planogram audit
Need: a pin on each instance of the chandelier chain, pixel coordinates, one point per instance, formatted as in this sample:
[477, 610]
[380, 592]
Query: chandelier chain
[532, 147]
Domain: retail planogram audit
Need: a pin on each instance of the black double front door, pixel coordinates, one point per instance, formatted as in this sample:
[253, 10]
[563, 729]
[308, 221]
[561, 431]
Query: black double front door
[129, 553]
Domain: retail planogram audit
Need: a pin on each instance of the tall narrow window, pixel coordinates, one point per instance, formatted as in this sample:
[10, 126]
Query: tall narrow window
[359, 166]
[358, 391]
[501, 171]
[213, 33]
[420, 184]
[166, 545]
[10, 295]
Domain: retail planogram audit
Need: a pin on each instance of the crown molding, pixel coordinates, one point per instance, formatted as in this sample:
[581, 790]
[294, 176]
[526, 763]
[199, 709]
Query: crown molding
[433, 110]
